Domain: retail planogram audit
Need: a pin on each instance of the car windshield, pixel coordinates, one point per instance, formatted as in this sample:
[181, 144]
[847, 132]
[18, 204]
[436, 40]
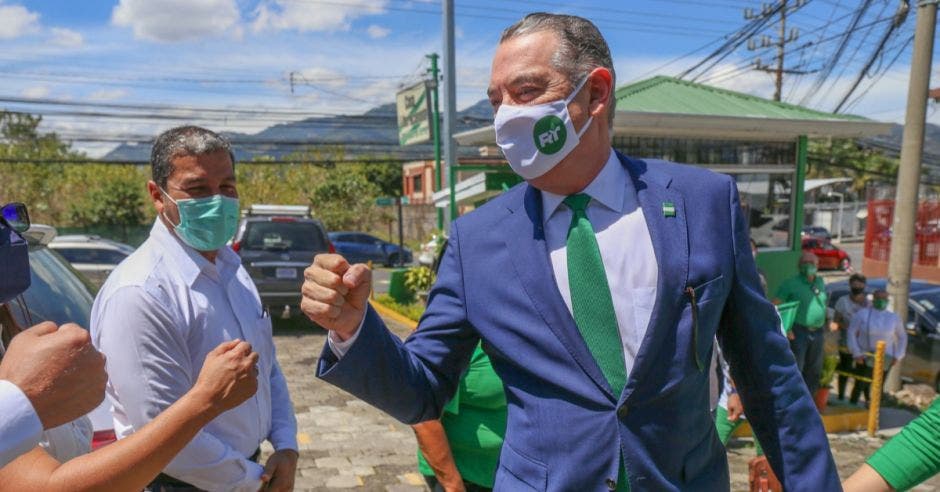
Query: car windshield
[297, 236]
[929, 302]
[56, 293]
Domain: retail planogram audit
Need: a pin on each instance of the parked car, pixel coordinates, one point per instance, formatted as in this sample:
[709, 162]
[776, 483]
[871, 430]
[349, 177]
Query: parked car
[58, 293]
[830, 256]
[770, 231]
[93, 256]
[922, 362]
[276, 244]
[817, 232]
[430, 251]
[358, 247]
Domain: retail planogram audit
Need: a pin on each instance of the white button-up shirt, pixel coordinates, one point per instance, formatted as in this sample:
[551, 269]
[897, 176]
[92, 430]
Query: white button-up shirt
[162, 310]
[625, 245]
[869, 325]
[20, 427]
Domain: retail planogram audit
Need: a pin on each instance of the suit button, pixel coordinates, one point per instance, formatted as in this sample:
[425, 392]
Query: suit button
[622, 411]
[611, 484]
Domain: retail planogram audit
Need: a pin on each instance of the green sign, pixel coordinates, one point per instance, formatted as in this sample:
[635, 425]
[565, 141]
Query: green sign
[550, 134]
[414, 115]
[384, 201]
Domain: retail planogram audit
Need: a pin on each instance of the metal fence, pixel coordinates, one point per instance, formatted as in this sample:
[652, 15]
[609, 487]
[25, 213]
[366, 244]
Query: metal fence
[926, 238]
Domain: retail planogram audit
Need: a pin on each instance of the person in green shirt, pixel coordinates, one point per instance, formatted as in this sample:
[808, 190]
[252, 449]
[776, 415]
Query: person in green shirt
[460, 452]
[906, 460]
[807, 336]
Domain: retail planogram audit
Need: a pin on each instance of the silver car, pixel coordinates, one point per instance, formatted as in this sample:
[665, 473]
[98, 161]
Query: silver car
[93, 256]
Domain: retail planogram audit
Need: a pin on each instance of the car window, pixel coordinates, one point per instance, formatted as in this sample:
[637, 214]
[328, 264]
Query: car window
[77, 255]
[56, 293]
[110, 257]
[281, 236]
[929, 302]
[340, 238]
[368, 239]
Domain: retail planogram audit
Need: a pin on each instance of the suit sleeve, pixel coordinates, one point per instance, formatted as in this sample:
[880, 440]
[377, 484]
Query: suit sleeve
[414, 379]
[775, 398]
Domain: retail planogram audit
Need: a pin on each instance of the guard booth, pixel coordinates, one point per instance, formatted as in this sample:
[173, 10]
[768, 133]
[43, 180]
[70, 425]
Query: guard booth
[761, 143]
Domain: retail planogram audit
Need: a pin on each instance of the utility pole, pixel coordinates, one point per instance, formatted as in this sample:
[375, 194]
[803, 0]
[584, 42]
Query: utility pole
[450, 104]
[436, 128]
[780, 43]
[912, 148]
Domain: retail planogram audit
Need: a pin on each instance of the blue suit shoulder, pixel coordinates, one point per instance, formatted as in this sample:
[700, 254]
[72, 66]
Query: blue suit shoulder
[495, 209]
[683, 176]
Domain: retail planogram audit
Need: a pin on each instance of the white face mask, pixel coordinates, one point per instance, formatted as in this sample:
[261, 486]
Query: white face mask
[536, 138]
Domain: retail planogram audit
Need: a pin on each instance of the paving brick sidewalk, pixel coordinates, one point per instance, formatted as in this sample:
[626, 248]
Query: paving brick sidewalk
[345, 443]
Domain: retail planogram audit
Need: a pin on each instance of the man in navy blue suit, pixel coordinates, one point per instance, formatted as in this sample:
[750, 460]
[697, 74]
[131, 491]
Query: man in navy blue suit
[597, 289]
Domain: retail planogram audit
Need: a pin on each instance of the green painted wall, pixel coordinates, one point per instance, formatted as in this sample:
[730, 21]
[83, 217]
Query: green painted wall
[777, 267]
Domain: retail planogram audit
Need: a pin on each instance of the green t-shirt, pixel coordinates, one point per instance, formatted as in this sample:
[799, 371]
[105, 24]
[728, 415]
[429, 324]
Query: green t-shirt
[475, 423]
[913, 455]
[811, 296]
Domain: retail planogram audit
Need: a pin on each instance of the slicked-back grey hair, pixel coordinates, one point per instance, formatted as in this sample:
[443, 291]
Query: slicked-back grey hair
[581, 47]
[183, 141]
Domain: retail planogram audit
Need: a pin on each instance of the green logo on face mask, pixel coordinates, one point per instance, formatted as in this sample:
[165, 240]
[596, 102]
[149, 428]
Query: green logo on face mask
[550, 134]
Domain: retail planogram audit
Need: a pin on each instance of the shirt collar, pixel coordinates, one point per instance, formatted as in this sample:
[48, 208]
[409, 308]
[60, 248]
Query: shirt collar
[190, 264]
[611, 188]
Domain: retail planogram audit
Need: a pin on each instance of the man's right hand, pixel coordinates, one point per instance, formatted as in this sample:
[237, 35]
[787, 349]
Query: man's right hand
[58, 370]
[336, 294]
[229, 376]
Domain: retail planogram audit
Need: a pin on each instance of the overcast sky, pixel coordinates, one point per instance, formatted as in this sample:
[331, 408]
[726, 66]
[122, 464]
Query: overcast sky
[348, 56]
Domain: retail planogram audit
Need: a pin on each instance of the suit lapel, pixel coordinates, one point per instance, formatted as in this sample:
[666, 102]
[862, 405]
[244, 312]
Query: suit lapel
[525, 240]
[669, 235]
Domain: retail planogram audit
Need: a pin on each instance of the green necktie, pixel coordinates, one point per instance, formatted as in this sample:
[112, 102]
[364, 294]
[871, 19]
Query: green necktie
[591, 302]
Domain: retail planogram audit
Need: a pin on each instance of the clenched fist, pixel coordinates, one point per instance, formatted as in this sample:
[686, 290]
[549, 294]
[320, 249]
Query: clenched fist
[58, 370]
[229, 375]
[336, 294]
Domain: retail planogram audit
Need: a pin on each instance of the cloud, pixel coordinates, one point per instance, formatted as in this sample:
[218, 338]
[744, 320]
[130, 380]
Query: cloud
[35, 92]
[107, 94]
[279, 15]
[66, 38]
[177, 20]
[377, 32]
[16, 21]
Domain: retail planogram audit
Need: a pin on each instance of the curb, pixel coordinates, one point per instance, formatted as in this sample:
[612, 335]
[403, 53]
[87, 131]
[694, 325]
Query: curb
[385, 312]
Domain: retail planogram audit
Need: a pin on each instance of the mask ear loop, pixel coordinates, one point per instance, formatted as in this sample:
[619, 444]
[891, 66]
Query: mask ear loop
[163, 213]
[571, 97]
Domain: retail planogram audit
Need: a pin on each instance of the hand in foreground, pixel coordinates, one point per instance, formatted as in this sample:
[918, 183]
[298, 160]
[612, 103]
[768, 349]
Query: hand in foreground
[229, 375]
[336, 294]
[735, 408]
[279, 471]
[58, 370]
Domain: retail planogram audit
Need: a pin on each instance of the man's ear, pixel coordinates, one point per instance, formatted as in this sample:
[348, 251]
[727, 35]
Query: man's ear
[601, 86]
[156, 196]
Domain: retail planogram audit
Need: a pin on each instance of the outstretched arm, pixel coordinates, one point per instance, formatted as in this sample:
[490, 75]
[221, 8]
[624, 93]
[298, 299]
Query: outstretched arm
[227, 379]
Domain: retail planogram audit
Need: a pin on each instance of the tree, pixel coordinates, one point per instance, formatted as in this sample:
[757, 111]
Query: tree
[344, 200]
[846, 158]
[117, 202]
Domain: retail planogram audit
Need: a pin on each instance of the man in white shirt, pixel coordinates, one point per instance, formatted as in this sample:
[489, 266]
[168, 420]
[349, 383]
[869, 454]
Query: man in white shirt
[176, 298]
[869, 326]
[845, 310]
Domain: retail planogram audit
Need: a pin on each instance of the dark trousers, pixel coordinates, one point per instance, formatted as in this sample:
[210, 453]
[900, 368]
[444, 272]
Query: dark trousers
[846, 363]
[435, 486]
[861, 387]
[807, 347]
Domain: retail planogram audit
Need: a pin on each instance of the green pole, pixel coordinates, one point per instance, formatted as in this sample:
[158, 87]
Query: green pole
[436, 124]
[796, 227]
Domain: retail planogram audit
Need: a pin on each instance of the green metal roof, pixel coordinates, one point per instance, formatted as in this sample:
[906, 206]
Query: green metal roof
[663, 94]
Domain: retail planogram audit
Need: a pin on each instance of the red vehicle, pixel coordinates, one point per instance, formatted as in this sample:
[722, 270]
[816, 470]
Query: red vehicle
[830, 256]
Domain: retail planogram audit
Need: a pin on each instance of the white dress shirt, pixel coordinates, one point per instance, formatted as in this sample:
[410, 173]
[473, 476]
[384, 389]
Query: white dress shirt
[626, 250]
[68, 441]
[625, 245]
[20, 427]
[162, 310]
[869, 325]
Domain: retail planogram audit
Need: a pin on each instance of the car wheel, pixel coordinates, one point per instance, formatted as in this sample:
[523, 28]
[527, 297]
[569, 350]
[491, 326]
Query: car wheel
[392, 260]
[845, 264]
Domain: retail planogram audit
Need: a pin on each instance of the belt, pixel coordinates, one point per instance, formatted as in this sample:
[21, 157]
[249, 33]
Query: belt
[165, 480]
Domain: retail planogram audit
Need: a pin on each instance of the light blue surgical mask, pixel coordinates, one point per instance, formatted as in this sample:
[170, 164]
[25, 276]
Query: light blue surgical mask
[207, 223]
